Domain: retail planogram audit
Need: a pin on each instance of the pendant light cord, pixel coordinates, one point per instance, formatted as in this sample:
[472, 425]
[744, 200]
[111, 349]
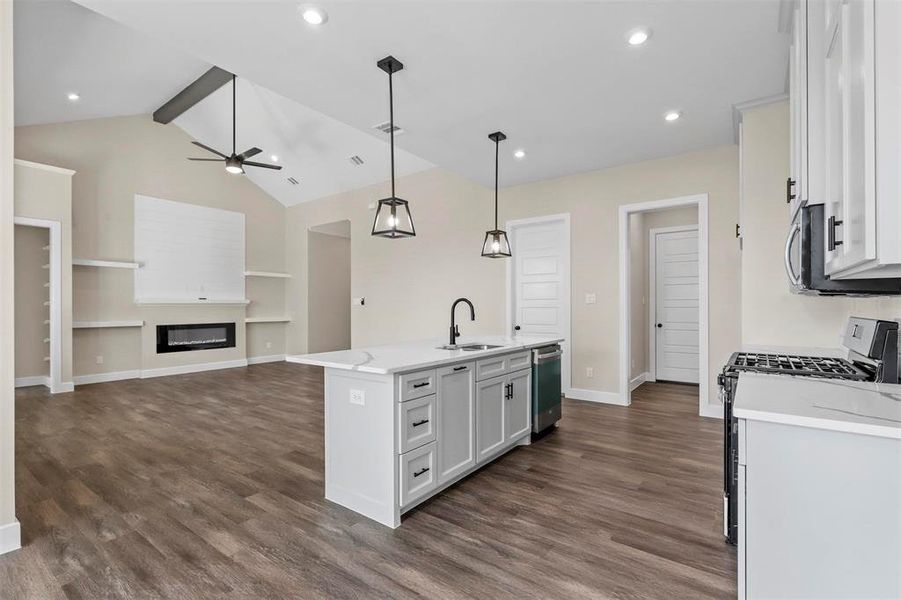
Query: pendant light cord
[234, 111]
[391, 121]
[497, 145]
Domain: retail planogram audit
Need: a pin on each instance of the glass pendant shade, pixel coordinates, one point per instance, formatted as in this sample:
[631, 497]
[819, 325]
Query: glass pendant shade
[496, 244]
[393, 219]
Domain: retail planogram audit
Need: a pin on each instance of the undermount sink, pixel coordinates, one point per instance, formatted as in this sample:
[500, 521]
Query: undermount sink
[469, 347]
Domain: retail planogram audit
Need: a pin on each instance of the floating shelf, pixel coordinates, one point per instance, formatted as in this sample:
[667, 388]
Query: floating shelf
[267, 274]
[105, 324]
[114, 264]
[225, 301]
[267, 320]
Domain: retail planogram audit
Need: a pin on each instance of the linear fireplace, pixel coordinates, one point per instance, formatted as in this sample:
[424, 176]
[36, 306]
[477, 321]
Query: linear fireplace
[200, 336]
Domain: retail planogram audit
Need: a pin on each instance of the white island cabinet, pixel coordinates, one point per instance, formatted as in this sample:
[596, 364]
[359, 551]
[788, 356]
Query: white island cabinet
[403, 422]
[819, 485]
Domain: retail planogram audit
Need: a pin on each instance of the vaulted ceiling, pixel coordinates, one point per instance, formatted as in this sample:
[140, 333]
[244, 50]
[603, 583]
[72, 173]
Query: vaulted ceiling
[558, 77]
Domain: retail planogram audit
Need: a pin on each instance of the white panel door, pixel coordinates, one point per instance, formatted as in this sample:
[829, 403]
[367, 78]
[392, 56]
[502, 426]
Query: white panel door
[540, 281]
[677, 306]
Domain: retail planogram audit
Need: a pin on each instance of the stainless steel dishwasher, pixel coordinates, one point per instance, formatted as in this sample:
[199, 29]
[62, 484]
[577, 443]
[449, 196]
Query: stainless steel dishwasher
[546, 402]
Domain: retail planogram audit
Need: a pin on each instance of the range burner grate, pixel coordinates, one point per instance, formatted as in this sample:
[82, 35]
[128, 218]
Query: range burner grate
[790, 364]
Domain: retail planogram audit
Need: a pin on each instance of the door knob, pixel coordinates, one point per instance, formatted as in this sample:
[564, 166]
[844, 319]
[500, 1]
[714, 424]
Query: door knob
[516, 328]
[659, 324]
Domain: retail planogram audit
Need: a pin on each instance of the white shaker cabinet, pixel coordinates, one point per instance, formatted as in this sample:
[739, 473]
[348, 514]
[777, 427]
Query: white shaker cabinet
[503, 412]
[456, 420]
[518, 409]
[862, 125]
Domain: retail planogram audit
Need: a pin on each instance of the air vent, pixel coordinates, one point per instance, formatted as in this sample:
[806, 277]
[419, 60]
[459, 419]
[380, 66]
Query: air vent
[292, 181]
[355, 159]
[386, 128]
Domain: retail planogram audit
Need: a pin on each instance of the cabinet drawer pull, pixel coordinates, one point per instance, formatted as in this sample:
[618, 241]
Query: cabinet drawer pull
[419, 385]
[421, 471]
[463, 368]
[418, 423]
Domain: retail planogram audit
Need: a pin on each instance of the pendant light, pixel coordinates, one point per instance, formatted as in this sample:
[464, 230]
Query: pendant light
[392, 217]
[496, 244]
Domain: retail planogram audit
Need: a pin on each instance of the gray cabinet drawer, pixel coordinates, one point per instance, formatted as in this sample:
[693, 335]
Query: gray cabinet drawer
[494, 366]
[417, 473]
[416, 423]
[417, 385]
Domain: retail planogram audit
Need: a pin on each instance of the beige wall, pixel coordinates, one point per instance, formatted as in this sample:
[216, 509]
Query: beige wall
[409, 284]
[30, 280]
[7, 309]
[115, 159]
[46, 193]
[328, 297]
[639, 238]
[771, 314]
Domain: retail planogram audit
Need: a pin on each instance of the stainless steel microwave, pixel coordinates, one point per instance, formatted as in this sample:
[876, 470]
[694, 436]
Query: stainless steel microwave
[805, 260]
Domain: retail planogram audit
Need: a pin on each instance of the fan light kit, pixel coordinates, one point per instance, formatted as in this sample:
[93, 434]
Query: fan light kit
[234, 163]
[496, 244]
[392, 217]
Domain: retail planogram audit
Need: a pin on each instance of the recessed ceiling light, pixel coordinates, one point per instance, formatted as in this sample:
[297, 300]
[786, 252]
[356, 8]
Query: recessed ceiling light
[519, 154]
[637, 37]
[313, 14]
[72, 96]
[672, 115]
[274, 158]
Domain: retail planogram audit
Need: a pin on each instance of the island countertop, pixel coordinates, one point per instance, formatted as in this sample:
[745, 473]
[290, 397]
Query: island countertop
[411, 356]
[831, 404]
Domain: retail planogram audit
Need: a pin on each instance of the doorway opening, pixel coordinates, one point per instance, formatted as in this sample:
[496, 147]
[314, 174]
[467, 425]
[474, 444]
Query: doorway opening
[328, 295]
[38, 280]
[663, 295]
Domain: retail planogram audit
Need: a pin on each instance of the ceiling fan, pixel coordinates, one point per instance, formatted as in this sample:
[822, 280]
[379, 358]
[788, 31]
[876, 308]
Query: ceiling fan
[234, 163]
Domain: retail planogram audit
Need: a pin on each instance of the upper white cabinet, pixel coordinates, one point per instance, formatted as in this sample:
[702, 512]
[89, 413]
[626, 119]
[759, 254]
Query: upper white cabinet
[862, 134]
[806, 98]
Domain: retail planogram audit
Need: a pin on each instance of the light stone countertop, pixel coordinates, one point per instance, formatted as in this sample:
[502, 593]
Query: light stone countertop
[423, 354]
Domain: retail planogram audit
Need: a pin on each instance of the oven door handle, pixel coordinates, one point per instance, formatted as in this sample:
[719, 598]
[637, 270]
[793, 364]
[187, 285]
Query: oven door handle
[792, 234]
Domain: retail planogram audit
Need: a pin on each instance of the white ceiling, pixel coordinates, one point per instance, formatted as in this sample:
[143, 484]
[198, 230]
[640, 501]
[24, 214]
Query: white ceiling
[556, 76]
[311, 147]
[61, 47]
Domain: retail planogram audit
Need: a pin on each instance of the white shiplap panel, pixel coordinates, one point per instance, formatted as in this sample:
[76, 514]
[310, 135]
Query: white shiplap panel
[188, 251]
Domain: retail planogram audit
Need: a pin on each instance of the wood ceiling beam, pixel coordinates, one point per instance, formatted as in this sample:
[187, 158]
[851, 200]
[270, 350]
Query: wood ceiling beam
[196, 91]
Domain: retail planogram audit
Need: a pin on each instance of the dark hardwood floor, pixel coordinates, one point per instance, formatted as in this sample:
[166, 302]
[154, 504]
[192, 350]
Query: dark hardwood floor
[211, 486]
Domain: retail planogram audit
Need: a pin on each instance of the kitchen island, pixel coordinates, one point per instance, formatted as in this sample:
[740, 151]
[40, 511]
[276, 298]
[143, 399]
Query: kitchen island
[819, 488]
[405, 421]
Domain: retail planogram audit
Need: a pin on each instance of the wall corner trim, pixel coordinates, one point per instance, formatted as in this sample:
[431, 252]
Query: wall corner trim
[595, 396]
[10, 537]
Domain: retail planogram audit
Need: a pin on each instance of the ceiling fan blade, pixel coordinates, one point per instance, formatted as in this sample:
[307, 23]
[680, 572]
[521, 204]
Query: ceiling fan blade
[248, 163]
[206, 159]
[248, 153]
[208, 149]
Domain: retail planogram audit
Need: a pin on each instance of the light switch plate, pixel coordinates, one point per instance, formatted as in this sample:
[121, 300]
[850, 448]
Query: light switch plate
[591, 298]
[357, 397]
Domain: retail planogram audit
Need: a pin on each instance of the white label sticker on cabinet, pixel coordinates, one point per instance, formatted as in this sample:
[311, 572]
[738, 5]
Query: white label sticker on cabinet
[357, 397]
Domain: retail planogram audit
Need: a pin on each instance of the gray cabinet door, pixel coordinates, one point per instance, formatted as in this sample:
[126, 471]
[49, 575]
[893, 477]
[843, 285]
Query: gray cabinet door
[456, 420]
[518, 408]
[490, 417]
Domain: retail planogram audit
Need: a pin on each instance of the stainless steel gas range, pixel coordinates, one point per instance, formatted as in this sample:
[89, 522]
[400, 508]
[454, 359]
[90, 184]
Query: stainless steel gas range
[872, 347]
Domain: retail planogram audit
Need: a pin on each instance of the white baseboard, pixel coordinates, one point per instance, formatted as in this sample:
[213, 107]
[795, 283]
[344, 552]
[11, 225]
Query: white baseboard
[64, 387]
[638, 380]
[255, 360]
[33, 380]
[10, 537]
[104, 377]
[195, 368]
[596, 396]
